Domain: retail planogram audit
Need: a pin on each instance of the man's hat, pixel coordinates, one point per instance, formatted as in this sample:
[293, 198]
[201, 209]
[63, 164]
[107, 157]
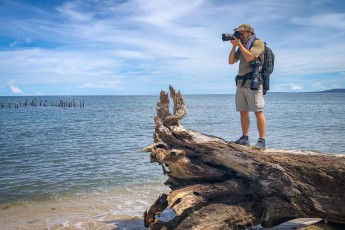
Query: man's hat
[245, 27]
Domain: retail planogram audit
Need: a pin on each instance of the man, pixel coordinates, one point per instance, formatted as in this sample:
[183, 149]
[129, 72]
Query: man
[247, 100]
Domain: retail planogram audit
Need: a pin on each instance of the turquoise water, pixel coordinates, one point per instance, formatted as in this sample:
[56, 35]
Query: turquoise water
[48, 151]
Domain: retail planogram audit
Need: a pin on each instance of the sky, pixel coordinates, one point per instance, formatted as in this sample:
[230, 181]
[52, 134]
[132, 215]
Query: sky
[140, 47]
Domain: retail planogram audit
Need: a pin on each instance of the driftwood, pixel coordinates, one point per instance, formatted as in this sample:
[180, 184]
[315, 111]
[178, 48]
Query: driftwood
[220, 185]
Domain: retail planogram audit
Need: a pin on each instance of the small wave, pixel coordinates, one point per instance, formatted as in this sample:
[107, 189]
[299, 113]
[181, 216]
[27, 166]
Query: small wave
[119, 208]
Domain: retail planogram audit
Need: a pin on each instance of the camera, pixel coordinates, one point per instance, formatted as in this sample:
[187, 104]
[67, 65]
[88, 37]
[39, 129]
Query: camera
[255, 81]
[228, 37]
[255, 63]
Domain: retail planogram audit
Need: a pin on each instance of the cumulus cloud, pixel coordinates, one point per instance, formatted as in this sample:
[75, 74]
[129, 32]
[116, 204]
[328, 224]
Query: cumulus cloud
[296, 87]
[14, 89]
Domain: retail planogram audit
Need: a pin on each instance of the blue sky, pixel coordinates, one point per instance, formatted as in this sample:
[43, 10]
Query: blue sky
[139, 47]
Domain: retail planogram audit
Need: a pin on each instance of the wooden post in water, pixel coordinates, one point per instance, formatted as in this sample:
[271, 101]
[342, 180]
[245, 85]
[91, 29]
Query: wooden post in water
[34, 103]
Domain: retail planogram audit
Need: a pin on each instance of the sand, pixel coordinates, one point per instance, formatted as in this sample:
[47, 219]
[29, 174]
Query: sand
[116, 209]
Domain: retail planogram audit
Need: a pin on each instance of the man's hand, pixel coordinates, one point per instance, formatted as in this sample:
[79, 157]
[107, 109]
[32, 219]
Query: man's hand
[235, 42]
[246, 53]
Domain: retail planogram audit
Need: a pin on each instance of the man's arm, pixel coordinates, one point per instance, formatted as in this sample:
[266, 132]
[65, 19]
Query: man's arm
[246, 53]
[232, 58]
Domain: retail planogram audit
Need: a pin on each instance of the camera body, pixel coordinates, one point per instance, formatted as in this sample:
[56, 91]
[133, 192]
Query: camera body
[255, 63]
[228, 37]
[255, 81]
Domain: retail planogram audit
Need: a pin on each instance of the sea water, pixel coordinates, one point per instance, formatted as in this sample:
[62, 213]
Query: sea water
[81, 167]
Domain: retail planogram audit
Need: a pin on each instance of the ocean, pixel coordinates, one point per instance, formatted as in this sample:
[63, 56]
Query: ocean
[82, 167]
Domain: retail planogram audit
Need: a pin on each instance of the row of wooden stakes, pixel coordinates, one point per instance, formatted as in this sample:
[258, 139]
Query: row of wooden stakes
[44, 103]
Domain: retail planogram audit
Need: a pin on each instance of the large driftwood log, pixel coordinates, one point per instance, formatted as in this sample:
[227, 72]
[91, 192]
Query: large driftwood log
[220, 185]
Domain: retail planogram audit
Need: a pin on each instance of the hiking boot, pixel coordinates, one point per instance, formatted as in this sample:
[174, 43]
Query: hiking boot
[260, 145]
[243, 141]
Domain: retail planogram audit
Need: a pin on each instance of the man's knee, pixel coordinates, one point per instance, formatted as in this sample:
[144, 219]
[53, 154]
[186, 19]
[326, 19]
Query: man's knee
[259, 114]
[244, 113]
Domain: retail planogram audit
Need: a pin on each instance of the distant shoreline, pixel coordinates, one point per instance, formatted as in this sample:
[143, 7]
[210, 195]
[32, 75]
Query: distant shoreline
[331, 91]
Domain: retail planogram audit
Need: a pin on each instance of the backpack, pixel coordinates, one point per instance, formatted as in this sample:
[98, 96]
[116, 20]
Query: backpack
[267, 68]
[268, 65]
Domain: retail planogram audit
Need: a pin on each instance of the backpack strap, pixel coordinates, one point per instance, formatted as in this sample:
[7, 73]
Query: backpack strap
[262, 61]
[253, 43]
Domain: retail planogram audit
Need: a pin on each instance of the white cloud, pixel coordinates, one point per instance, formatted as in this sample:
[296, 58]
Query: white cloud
[101, 85]
[162, 13]
[57, 66]
[130, 54]
[331, 20]
[14, 89]
[296, 87]
[318, 85]
[70, 10]
[337, 86]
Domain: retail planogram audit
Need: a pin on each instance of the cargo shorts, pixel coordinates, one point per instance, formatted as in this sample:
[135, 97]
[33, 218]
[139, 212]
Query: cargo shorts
[247, 99]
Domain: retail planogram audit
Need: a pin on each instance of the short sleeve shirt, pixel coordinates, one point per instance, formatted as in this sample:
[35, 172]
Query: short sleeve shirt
[257, 50]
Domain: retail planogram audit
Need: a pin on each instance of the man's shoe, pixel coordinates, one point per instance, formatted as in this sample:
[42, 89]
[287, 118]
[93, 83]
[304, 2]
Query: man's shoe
[243, 141]
[260, 145]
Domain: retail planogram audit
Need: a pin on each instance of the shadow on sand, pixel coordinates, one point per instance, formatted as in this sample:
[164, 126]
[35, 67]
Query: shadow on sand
[127, 224]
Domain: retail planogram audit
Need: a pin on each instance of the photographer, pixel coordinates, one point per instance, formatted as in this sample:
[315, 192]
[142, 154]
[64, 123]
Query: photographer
[249, 92]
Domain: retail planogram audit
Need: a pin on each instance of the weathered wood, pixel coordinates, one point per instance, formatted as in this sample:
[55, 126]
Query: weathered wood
[220, 185]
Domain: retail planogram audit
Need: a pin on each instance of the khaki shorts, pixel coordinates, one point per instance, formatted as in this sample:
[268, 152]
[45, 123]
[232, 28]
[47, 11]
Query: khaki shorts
[249, 100]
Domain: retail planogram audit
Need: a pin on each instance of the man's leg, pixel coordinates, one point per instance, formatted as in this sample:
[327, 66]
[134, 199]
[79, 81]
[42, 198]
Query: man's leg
[261, 123]
[245, 122]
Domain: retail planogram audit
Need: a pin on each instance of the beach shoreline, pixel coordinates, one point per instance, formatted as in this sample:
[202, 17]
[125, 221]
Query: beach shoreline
[119, 208]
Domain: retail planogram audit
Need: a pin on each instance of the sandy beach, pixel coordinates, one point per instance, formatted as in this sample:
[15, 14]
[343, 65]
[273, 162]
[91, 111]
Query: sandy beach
[116, 209]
